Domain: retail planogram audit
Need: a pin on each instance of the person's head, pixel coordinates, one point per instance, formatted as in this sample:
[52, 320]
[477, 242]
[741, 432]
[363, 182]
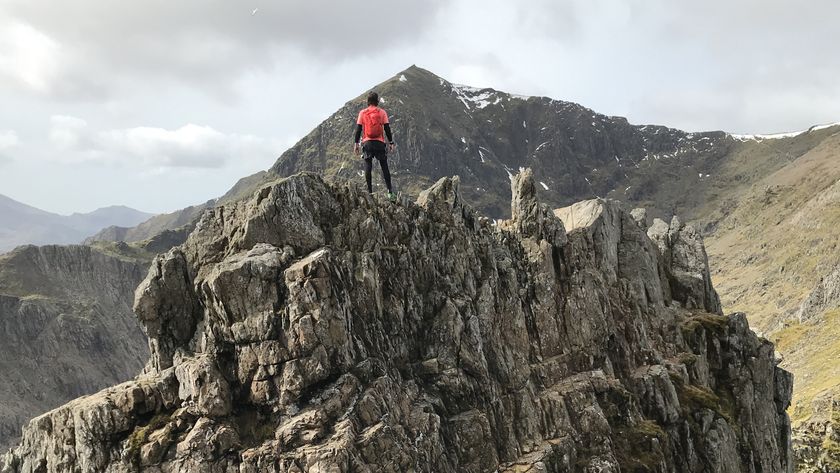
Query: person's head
[373, 99]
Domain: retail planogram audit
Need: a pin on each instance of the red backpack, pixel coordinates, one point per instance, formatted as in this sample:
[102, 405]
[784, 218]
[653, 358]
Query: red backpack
[373, 124]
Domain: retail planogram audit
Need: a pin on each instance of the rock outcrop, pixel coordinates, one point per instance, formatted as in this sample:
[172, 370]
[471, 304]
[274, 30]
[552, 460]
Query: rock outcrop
[317, 328]
[825, 296]
[682, 248]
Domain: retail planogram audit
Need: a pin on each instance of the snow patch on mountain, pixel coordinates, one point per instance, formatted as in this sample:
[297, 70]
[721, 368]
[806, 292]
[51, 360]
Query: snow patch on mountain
[776, 136]
[475, 97]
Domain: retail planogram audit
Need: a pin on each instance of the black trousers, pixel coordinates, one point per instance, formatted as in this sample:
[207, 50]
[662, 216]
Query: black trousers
[374, 149]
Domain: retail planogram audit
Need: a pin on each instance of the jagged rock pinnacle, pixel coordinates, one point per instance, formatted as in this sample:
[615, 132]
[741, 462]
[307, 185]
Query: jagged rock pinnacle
[316, 328]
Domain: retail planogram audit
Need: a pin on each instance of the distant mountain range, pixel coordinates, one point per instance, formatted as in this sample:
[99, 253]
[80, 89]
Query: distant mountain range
[22, 224]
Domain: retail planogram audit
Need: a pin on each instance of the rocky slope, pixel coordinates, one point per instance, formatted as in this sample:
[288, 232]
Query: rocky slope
[316, 328]
[21, 224]
[66, 328]
[775, 256]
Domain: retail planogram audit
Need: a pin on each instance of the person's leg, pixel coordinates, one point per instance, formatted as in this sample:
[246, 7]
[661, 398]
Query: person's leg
[368, 167]
[386, 173]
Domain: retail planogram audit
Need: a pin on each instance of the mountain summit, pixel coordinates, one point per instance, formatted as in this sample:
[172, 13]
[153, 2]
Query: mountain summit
[485, 136]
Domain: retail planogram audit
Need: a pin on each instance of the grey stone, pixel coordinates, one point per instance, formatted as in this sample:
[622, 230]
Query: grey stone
[316, 328]
[825, 296]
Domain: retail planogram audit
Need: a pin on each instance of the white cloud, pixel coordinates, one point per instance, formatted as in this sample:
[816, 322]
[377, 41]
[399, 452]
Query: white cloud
[8, 139]
[190, 146]
[66, 132]
[106, 48]
[28, 57]
[764, 66]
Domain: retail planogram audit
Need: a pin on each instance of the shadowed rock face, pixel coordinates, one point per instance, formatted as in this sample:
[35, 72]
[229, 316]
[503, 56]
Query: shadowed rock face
[66, 329]
[317, 328]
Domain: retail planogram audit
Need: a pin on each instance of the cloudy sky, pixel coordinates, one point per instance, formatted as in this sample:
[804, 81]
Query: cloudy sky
[161, 104]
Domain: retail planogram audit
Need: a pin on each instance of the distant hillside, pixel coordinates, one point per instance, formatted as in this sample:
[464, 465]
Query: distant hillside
[21, 224]
[66, 326]
[184, 218]
[775, 256]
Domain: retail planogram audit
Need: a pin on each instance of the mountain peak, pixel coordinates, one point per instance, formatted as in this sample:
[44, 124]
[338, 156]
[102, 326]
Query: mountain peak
[417, 72]
[407, 81]
[485, 136]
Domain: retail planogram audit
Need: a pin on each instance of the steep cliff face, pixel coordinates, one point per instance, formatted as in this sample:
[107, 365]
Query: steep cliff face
[316, 328]
[66, 328]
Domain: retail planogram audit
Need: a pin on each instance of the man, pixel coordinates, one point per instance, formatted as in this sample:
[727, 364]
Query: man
[371, 129]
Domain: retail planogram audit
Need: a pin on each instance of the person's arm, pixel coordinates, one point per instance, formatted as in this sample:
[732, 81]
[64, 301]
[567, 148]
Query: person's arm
[359, 133]
[388, 133]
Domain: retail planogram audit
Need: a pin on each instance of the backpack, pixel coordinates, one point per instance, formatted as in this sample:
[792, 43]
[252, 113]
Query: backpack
[374, 126]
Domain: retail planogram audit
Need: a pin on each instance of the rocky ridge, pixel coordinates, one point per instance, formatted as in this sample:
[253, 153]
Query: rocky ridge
[313, 327]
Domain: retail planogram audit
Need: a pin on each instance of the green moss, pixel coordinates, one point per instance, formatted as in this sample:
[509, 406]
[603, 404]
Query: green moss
[717, 324]
[650, 428]
[701, 397]
[694, 397]
[688, 359]
[635, 449]
[140, 435]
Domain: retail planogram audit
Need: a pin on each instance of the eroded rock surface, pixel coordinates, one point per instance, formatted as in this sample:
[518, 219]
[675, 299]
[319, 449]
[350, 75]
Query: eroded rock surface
[315, 328]
[825, 296]
[683, 252]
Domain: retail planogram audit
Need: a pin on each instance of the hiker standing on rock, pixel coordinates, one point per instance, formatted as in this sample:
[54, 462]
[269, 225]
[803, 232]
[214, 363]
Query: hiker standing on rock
[371, 129]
